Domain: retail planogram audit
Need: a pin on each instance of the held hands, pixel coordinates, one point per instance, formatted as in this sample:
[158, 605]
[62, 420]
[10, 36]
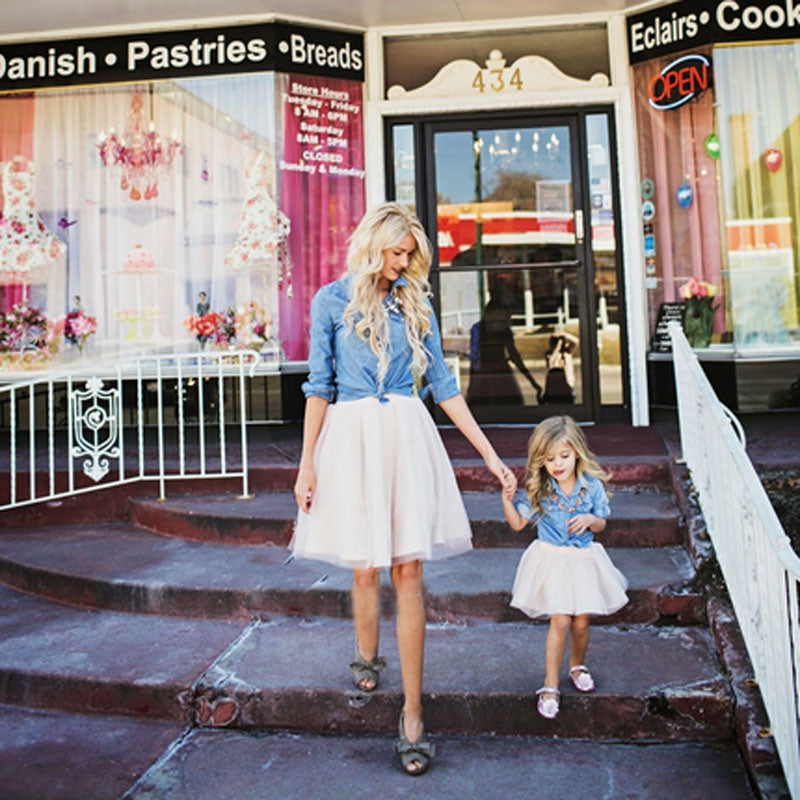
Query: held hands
[506, 477]
[304, 488]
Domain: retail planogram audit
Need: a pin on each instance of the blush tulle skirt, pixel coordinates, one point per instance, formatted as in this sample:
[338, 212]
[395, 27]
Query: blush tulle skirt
[386, 493]
[567, 580]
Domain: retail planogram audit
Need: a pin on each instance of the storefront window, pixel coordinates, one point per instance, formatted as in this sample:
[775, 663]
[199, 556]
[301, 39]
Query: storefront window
[678, 149]
[758, 95]
[147, 206]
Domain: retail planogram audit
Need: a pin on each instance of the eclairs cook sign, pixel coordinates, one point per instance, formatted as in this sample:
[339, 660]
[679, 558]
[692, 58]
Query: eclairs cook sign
[670, 29]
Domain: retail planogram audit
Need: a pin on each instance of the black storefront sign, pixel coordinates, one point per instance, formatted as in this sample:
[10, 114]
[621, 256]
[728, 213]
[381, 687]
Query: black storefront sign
[667, 312]
[680, 26]
[273, 46]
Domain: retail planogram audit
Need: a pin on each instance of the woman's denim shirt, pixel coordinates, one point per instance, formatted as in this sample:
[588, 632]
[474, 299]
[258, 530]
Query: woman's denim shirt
[588, 497]
[342, 365]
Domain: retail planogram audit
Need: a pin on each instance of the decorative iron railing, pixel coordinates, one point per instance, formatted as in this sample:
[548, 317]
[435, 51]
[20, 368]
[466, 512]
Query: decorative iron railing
[156, 417]
[760, 568]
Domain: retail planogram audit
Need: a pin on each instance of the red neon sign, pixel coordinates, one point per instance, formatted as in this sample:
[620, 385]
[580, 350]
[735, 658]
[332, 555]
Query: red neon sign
[679, 82]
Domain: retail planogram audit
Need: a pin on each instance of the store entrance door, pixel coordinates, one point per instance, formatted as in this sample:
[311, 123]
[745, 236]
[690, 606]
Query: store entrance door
[521, 211]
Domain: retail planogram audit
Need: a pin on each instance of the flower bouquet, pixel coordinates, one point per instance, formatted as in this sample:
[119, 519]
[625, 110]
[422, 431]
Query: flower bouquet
[253, 326]
[225, 334]
[203, 326]
[28, 340]
[698, 321]
[78, 327]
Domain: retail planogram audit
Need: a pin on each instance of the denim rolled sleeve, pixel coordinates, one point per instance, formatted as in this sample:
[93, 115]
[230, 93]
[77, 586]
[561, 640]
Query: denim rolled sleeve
[441, 381]
[522, 504]
[320, 381]
[600, 506]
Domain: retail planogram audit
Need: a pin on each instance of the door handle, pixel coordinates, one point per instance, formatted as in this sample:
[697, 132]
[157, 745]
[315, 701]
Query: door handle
[578, 225]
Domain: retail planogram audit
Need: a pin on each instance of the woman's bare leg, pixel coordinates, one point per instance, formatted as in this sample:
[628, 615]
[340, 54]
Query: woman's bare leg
[366, 616]
[407, 581]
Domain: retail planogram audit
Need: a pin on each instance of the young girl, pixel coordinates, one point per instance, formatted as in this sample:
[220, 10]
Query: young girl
[563, 574]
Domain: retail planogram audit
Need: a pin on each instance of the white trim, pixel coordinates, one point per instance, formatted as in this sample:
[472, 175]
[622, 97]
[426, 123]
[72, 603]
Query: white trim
[630, 222]
[494, 25]
[374, 144]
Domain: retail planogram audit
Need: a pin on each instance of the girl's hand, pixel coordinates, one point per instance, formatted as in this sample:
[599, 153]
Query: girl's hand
[304, 488]
[579, 523]
[506, 477]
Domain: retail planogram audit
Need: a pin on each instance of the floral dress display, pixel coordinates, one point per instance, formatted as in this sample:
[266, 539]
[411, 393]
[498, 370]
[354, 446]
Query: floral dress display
[25, 243]
[263, 228]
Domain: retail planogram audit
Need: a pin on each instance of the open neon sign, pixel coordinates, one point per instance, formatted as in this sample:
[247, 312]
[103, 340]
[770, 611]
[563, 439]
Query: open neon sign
[679, 82]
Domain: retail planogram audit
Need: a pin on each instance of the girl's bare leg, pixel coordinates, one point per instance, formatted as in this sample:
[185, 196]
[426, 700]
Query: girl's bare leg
[407, 580]
[579, 639]
[366, 615]
[554, 649]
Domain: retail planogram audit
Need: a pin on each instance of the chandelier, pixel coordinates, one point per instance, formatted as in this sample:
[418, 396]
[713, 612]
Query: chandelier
[141, 152]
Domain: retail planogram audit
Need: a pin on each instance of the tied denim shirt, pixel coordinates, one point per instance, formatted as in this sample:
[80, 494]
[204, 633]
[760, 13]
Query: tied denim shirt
[342, 365]
[588, 497]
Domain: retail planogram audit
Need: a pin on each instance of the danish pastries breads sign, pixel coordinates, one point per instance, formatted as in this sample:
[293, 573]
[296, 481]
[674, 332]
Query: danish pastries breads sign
[277, 46]
[688, 24]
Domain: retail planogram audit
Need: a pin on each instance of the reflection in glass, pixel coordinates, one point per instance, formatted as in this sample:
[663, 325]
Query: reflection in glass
[504, 196]
[403, 162]
[604, 246]
[499, 329]
[759, 131]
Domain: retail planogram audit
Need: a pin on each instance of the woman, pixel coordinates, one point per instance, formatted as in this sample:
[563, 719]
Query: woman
[375, 487]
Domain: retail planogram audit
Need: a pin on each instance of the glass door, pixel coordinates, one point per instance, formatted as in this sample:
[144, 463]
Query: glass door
[520, 211]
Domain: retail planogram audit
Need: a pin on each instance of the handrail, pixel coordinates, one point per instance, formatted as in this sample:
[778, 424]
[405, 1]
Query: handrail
[761, 570]
[84, 429]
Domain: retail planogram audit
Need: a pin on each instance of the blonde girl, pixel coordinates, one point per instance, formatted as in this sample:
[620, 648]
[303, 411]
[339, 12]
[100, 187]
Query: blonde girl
[375, 488]
[564, 574]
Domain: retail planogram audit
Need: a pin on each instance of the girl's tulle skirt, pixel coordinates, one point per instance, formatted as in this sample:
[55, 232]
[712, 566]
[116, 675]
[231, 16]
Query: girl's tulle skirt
[567, 580]
[386, 493]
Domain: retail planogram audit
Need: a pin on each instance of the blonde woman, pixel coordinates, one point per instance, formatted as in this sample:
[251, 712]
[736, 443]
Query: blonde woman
[375, 488]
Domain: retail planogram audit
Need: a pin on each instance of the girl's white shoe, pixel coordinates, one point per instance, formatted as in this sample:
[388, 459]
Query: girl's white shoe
[548, 706]
[581, 678]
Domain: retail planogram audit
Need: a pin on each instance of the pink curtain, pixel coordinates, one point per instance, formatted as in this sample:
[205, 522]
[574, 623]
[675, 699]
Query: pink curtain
[672, 152]
[16, 138]
[323, 208]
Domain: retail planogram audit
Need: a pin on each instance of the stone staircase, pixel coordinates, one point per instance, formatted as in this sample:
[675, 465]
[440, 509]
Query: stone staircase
[191, 612]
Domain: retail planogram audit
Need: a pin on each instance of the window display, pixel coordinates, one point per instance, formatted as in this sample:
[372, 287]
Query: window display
[141, 197]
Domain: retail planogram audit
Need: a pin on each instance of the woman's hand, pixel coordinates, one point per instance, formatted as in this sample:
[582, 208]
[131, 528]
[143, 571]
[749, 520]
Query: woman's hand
[304, 487]
[504, 474]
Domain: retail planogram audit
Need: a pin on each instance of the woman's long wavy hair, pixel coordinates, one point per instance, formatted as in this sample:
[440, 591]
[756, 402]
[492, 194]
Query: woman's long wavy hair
[547, 433]
[380, 229]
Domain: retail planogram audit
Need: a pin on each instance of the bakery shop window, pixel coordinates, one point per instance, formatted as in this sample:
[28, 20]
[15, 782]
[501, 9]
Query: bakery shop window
[187, 213]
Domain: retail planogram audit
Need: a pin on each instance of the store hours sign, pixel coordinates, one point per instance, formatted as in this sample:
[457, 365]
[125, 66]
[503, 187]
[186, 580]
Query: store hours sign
[274, 46]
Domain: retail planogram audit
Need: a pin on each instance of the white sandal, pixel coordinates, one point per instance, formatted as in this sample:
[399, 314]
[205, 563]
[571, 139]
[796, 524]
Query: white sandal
[581, 678]
[548, 706]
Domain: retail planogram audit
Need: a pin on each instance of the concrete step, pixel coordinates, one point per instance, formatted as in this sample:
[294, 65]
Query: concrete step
[316, 767]
[640, 518]
[61, 756]
[652, 684]
[126, 568]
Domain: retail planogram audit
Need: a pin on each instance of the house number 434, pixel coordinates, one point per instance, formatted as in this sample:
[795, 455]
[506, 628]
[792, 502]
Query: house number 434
[497, 80]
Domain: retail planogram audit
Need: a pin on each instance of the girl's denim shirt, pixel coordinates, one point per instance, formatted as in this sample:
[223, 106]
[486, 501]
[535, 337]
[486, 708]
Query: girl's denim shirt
[588, 497]
[343, 367]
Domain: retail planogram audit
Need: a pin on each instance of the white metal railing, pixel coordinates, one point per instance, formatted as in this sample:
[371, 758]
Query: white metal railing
[760, 567]
[155, 417]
